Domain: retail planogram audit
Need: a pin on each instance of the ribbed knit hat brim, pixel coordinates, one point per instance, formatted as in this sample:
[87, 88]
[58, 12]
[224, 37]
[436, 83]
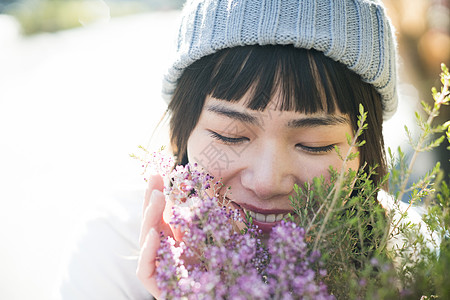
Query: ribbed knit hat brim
[356, 33]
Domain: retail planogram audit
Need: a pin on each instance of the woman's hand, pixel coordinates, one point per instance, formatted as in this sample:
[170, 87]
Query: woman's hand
[152, 224]
[156, 218]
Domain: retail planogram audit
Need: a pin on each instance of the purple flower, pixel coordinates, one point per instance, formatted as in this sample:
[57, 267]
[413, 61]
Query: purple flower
[230, 264]
[374, 261]
[290, 271]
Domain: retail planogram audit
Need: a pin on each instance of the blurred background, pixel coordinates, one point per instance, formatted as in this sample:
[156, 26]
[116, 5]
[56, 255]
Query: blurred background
[80, 89]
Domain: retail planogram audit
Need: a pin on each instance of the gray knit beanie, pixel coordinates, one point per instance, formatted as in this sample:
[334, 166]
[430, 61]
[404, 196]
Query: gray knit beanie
[356, 33]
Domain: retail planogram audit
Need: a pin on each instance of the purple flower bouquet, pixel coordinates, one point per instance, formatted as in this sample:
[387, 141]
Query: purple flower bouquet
[218, 260]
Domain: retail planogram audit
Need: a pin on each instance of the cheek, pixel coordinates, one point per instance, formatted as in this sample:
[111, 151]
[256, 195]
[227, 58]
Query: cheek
[354, 164]
[315, 166]
[197, 147]
[310, 167]
[219, 160]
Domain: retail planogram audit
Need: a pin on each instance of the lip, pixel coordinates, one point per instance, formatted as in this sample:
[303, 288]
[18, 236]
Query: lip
[263, 210]
[266, 227]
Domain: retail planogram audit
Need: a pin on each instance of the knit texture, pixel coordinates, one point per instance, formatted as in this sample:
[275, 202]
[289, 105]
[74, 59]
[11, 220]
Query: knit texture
[356, 33]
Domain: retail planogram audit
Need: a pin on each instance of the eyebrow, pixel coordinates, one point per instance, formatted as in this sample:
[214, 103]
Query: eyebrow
[308, 122]
[328, 120]
[233, 114]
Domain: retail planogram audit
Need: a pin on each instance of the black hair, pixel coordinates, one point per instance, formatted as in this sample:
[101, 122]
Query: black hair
[306, 80]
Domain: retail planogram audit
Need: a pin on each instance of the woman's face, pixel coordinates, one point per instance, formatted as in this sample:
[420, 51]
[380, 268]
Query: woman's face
[262, 154]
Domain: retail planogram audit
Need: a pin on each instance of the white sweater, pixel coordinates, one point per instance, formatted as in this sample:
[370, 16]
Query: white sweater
[101, 260]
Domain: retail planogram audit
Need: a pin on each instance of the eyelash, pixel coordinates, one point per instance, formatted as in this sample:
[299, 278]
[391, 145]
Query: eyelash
[234, 141]
[227, 140]
[322, 149]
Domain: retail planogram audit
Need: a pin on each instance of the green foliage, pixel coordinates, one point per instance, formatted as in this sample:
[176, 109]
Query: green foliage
[375, 252]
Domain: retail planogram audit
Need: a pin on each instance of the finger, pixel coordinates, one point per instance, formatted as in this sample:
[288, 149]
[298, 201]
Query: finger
[153, 215]
[155, 182]
[146, 270]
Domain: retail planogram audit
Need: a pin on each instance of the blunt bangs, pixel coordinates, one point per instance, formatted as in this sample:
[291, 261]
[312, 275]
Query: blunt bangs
[306, 81]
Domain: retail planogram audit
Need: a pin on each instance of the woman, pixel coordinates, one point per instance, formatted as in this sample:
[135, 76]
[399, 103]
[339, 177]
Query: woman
[259, 94]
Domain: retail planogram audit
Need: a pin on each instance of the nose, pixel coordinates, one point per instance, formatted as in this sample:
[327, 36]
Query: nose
[269, 173]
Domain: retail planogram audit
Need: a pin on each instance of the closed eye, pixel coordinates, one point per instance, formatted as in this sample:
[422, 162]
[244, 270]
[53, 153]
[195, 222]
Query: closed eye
[318, 150]
[227, 140]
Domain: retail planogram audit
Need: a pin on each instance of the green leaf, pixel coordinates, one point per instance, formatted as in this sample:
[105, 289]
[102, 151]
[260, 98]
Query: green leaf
[409, 135]
[349, 139]
[426, 107]
[336, 148]
[444, 69]
[361, 109]
[434, 93]
[434, 144]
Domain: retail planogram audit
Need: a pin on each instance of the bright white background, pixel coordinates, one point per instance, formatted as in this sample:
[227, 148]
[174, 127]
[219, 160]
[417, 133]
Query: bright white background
[73, 106]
